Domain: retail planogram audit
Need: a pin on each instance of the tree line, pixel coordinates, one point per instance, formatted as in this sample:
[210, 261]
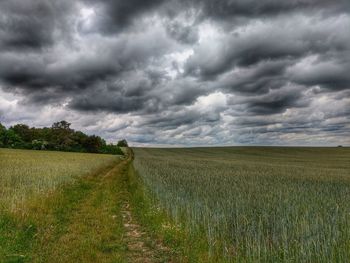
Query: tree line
[58, 137]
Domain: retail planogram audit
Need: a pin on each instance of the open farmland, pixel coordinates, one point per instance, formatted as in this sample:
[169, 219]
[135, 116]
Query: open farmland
[255, 204]
[234, 204]
[24, 174]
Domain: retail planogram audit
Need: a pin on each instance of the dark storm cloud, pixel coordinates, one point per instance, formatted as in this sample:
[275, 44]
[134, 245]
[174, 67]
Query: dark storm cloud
[330, 75]
[43, 83]
[118, 14]
[196, 71]
[32, 24]
[275, 102]
[182, 117]
[183, 33]
[32, 73]
[257, 79]
[131, 92]
[291, 39]
[114, 102]
[81, 75]
[182, 91]
[229, 9]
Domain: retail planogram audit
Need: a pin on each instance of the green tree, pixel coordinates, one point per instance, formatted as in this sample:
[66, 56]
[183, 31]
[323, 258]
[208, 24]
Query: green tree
[2, 135]
[61, 125]
[61, 136]
[58, 137]
[79, 138]
[122, 143]
[23, 131]
[11, 139]
[93, 144]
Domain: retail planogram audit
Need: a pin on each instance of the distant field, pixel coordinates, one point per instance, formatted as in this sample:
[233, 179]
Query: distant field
[256, 204]
[24, 173]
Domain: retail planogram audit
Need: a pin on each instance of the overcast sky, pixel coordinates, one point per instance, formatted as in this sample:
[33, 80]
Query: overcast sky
[182, 72]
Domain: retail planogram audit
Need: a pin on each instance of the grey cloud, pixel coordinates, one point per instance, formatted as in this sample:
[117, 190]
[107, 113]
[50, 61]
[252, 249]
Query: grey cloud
[117, 15]
[174, 120]
[35, 73]
[32, 24]
[227, 9]
[182, 91]
[273, 102]
[269, 41]
[186, 34]
[45, 77]
[255, 79]
[331, 75]
[117, 102]
[243, 52]
[188, 116]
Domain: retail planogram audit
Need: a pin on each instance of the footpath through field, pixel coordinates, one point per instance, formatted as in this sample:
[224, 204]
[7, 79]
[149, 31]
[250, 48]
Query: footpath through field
[98, 225]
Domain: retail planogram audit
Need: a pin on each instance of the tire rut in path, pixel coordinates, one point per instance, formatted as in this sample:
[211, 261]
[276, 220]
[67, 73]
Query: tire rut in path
[141, 246]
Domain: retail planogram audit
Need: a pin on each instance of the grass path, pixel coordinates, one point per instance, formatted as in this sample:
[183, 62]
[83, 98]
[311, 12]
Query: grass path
[94, 230]
[88, 221]
[102, 227]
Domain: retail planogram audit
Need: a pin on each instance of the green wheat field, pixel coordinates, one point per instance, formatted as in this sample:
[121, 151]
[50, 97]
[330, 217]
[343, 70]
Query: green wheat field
[256, 204]
[25, 173]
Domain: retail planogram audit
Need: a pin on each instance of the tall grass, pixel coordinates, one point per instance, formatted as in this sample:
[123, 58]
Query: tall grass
[256, 204]
[25, 173]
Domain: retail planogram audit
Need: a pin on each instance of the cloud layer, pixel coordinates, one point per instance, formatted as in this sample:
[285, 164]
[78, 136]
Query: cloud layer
[172, 72]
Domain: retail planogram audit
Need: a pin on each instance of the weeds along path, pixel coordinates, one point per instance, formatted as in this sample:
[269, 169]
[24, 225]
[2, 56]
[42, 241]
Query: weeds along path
[101, 226]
